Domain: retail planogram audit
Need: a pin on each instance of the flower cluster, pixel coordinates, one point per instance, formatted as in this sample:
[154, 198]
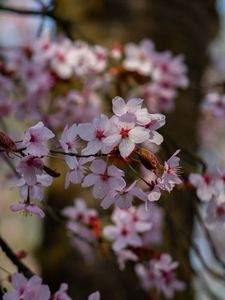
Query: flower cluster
[27, 289]
[83, 226]
[37, 69]
[105, 144]
[159, 274]
[133, 232]
[210, 189]
[127, 232]
[165, 182]
[167, 73]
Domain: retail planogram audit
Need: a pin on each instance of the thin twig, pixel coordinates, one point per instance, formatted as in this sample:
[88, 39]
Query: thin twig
[76, 154]
[15, 260]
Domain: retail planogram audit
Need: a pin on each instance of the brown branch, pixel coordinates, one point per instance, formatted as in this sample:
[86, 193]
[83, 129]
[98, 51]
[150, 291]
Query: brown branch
[76, 154]
[15, 260]
[48, 11]
[44, 12]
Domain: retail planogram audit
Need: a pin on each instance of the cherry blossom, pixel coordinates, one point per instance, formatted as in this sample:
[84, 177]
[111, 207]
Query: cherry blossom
[95, 133]
[62, 62]
[61, 294]
[160, 274]
[139, 57]
[35, 191]
[94, 296]
[30, 166]
[128, 226]
[77, 169]
[123, 198]
[214, 103]
[168, 180]
[28, 208]
[35, 137]
[104, 178]
[25, 289]
[83, 226]
[206, 185]
[69, 142]
[127, 111]
[125, 135]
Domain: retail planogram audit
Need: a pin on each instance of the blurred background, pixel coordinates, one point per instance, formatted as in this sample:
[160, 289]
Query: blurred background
[194, 28]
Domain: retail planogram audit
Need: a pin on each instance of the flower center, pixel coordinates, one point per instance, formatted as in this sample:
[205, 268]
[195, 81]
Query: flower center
[207, 179]
[220, 211]
[105, 177]
[99, 134]
[33, 138]
[61, 57]
[124, 132]
[124, 231]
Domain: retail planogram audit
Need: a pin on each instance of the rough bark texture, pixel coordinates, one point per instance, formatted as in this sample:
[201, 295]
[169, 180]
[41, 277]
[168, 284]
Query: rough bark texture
[183, 27]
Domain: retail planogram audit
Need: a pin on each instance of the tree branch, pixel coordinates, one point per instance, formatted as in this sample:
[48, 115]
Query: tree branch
[44, 12]
[15, 260]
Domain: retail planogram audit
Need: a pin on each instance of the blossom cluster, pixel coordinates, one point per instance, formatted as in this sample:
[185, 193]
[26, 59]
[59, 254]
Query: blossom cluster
[106, 144]
[133, 233]
[159, 274]
[210, 189]
[83, 226]
[166, 71]
[33, 289]
[36, 71]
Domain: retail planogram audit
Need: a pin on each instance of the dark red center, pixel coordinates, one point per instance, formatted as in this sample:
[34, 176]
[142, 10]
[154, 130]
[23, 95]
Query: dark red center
[124, 132]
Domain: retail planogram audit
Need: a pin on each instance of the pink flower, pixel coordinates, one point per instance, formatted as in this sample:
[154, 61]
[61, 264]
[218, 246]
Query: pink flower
[152, 122]
[139, 57]
[28, 208]
[159, 275]
[94, 296]
[84, 59]
[132, 112]
[61, 294]
[206, 185]
[62, 62]
[123, 198]
[35, 137]
[125, 255]
[104, 178]
[95, 133]
[129, 224]
[125, 135]
[35, 191]
[25, 289]
[170, 177]
[79, 212]
[78, 170]
[168, 180]
[101, 55]
[172, 68]
[30, 167]
[214, 103]
[69, 142]
[127, 111]
[123, 236]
